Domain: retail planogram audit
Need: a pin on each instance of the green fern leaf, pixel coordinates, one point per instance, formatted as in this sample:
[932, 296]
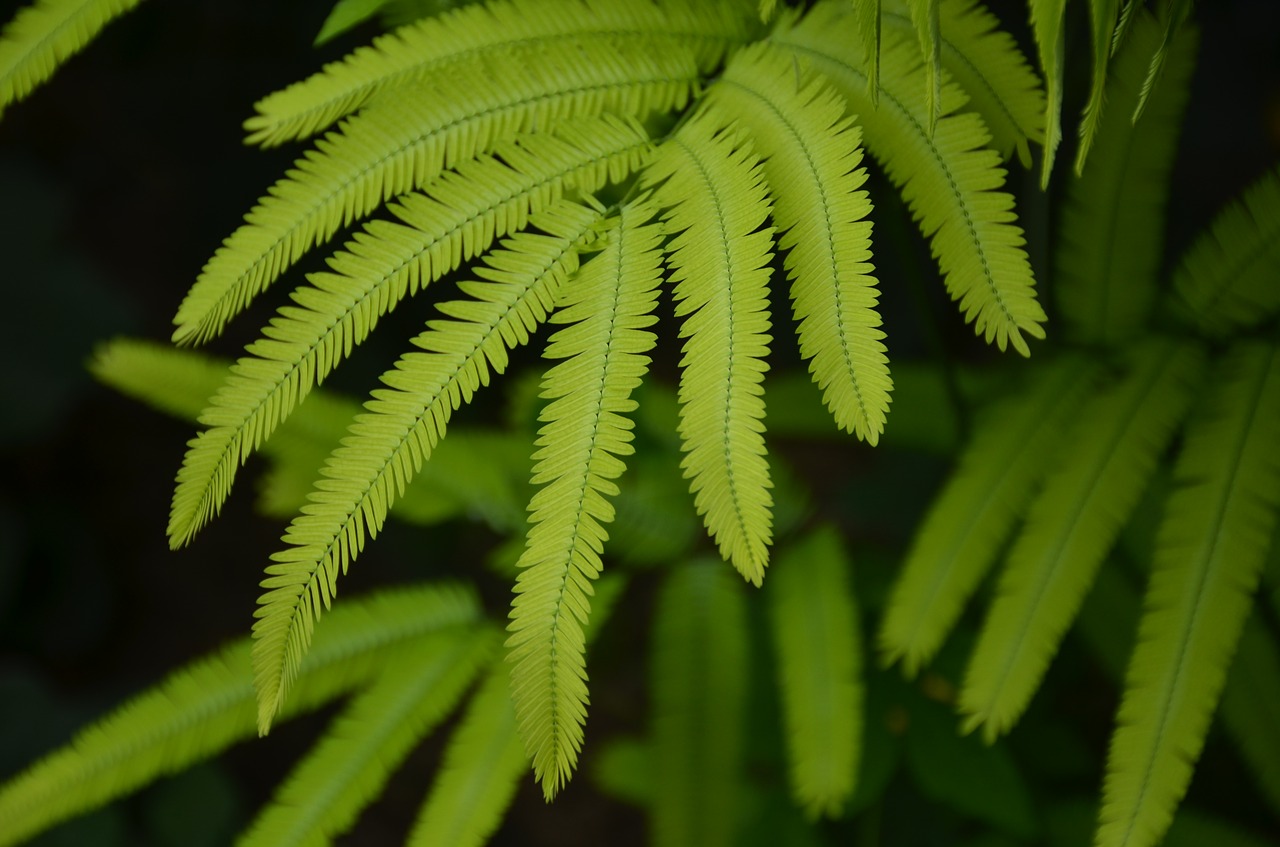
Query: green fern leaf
[461, 47]
[459, 217]
[345, 16]
[1251, 704]
[1209, 554]
[406, 142]
[44, 35]
[404, 422]
[1102, 16]
[1228, 278]
[1046, 25]
[208, 705]
[1108, 258]
[970, 518]
[480, 772]
[870, 26]
[1121, 31]
[716, 202]
[1174, 15]
[987, 64]
[699, 682]
[586, 430]
[1071, 527]
[948, 179]
[924, 17]
[818, 646]
[811, 157]
[350, 765]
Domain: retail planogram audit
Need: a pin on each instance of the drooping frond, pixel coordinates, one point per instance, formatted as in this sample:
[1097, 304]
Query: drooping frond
[481, 769]
[1112, 234]
[870, 26]
[349, 766]
[406, 142]
[811, 156]
[176, 382]
[1228, 278]
[699, 687]
[457, 218]
[986, 63]
[818, 655]
[924, 17]
[467, 47]
[208, 706]
[970, 518]
[1173, 15]
[715, 197]
[389, 443]
[1046, 26]
[346, 15]
[1071, 526]
[1102, 17]
[44, 35]
[949, 180]
[586, 431]
[1209, 553]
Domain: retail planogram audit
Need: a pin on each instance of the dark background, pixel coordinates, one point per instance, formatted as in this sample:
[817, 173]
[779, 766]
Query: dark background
[119, 178]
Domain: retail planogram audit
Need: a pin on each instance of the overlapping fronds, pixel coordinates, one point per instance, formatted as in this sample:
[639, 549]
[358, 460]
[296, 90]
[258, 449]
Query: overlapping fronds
[389, 443]
[347, 769]
[208, 705]
[1046, 25]
[818, 656]
[1112, 233]
[960, 536]
[605, 351]
[715, 197]
[1172, 16]
[987, 64]
[1071, 527]
[870, 26]
[925, 19]
[1228, 278]
[1209, 553]
[811, 157]
[1103, 19]
[44, 35]
[699, 688]
[457, 218]
[478, 777]
[406, 142]
[949, 179]
[459, 48]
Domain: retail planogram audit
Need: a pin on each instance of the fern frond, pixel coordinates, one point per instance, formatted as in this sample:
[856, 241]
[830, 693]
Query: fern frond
[1228, 278]
[43, 36]
[1209, 554]
[811, 157]
[609, 305]
[208, 705]
[1046, 26]
[346, 15]
[456, 218]
[1251, 705]
[924, 18]
[818, 645]
[406, 142]
[715, 197]
[949, 180]
[1174, 15]
[480, 772]
[347, 769]
[970, 518]
[699, 682]
[1102, 18]
[1071, 527]
[389, 443]
[461, 48]
[987, 64]
[870, 22]
[1109, 253]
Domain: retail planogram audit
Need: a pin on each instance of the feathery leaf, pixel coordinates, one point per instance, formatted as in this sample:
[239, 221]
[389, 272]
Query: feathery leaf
[715, 197]
[870, 26]
[818, 656]
[1071, 526]
[456, 218]
[949, 180]
[970, 518]
[1046, 25]
[1102, 17]
[1209, 553]
[586, 431]
[1174, 15]
[811, 156]
[924, 17]
[44, 35]
[390, 443]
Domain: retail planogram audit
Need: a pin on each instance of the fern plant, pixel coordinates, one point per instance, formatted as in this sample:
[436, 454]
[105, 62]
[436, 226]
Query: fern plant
[571, 164]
